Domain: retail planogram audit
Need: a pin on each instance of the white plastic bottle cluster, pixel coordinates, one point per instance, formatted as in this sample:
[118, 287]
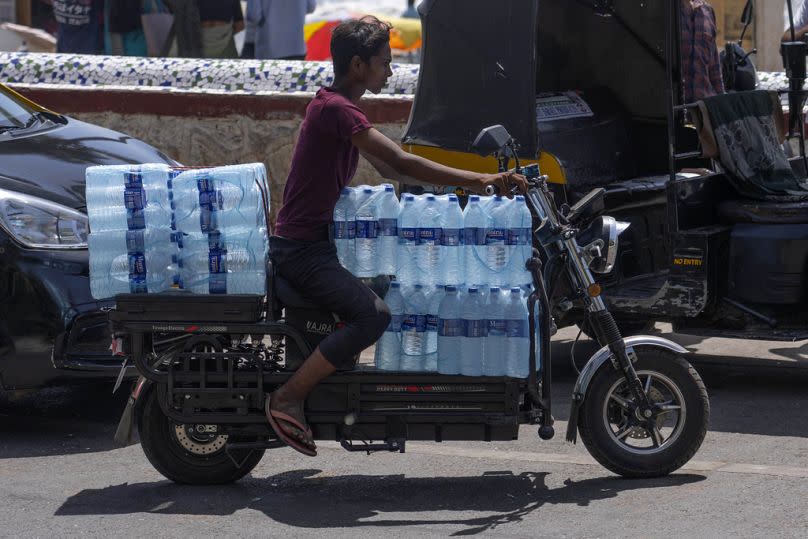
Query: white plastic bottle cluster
[458, 274]
[154, 228]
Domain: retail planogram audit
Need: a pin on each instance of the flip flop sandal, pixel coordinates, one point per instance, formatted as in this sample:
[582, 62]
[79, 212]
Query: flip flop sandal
[274, 416]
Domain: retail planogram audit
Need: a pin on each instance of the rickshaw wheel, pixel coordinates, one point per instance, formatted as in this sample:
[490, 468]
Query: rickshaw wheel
[633, 446]
[187, 456]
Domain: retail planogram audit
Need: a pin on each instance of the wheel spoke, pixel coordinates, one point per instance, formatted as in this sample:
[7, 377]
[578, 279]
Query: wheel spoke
[648, 385]
[625, 431]
[619, 400]
[665, 408]
[656, 434]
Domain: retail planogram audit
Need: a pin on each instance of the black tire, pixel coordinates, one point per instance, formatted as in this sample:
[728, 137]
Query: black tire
[628, 327]
[596, 415]
[162, 447]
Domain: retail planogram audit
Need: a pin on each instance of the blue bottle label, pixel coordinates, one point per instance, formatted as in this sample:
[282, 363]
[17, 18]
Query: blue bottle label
[135, 242]
[495, 236]
[431, 322]
[388, 227]
[367, 229]
[341, 230]
[205, 184]
[396, 322]
[450, 327]
[217, 261]
[216, 241]
[496, 328]
[351, 230]
[134, 198]
[451, 237]
[208, 220]
[137, 283]
[430, 235]
[217, 284]
[210, 200]
[132, 180]
[414, 322]
[408, 235]
[475, 328]
[137, 264]
[516, 328]
[518, 236]
[474, 236]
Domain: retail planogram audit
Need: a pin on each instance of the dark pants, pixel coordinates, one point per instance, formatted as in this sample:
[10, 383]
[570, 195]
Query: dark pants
[314, 270]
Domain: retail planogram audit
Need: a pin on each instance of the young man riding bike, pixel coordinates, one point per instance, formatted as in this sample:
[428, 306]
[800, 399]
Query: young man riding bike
[333, 134]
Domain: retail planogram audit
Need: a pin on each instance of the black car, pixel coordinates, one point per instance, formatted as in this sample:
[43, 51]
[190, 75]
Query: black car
[51, 329]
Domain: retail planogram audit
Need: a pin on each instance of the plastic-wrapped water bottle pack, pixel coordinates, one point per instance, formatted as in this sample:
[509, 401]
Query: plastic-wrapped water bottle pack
[154, 228]
[458, 275]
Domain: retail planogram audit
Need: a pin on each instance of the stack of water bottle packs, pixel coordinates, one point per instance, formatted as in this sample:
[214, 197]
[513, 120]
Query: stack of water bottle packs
[155, 228]
[458, 300]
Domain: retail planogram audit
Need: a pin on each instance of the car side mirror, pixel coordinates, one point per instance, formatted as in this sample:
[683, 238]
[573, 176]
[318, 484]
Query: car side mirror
[491, 140]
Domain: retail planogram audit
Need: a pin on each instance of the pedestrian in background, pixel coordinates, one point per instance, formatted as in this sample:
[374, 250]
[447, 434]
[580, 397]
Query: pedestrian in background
[701, 67]
[275, 29]
[80, 26]
[800, 13]
[220, 20]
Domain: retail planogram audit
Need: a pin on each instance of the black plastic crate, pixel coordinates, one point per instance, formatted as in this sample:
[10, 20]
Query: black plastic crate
[187, 308]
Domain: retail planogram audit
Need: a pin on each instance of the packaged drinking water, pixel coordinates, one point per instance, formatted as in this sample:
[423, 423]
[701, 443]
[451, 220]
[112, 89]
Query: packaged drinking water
[210, 199]
[388, 349]
[389, 208]
[127, 197]
[413, 329]
[225, 262]
[518, 337]
[408, 241]
[131, 261]
[520, 241]
[429, 241]
[345, 228]
[451, 243]
[432, 315]
[367, 239]
[496, 243]
[495, 341]
[475, 224]
[450, 332]
[475, 326]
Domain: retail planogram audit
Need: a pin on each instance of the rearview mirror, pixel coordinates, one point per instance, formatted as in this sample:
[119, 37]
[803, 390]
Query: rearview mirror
[748, 13]
[491, 140]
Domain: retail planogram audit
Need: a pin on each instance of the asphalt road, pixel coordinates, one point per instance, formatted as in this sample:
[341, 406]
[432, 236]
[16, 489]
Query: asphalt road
[61, 474]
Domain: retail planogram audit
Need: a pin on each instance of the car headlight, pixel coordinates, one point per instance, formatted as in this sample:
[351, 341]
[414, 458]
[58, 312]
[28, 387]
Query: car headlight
[39, 223]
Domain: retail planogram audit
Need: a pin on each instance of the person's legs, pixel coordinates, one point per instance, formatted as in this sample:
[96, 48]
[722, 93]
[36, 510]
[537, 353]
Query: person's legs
[314, 270]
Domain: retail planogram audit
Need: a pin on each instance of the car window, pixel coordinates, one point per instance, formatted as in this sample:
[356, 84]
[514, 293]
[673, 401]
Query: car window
[12, 112]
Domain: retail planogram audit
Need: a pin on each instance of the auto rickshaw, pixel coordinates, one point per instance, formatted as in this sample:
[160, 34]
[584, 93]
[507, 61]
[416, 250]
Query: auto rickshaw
[592, 92]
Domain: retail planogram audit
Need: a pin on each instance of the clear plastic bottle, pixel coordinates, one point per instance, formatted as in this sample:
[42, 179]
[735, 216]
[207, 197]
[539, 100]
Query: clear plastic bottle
[407, 241]
[518, 337]
[388, 349]
[429, 240]
[229, 262]
[345, 229]
[475, 224]
[432, 315]
[495, 340]
[127, 197]
[475, 326]
[452, 243]
[367, 235]
[520, 242]
[450, 332]
[389, 209]
[496, 243]
[206, 200]
[413, 331]
[131, 261]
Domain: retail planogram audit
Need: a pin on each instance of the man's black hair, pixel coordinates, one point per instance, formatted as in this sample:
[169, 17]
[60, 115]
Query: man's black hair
[363, 38]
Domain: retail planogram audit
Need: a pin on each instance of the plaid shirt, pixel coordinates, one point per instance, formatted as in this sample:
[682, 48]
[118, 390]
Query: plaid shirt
[701, 69]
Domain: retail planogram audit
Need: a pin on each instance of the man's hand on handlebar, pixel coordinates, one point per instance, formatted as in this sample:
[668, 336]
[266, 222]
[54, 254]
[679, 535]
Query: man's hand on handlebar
[504, 183]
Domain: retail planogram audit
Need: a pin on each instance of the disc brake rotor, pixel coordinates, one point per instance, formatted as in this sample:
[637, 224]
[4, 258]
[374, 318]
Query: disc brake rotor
[198, 439]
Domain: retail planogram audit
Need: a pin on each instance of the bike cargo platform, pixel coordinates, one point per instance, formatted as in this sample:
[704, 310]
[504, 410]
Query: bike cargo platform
[170, 307]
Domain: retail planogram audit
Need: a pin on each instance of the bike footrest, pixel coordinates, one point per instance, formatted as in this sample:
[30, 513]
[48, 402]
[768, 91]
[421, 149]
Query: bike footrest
[392, 446]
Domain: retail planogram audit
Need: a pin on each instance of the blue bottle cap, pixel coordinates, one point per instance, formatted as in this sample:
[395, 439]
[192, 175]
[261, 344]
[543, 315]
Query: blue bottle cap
[345, 191]
[516, 290]
[494, 289]
[430, 197]
[453, 198]
[520, 198]
[409, 198]
[472, 290]
[395, 284]
[367, 190]
[451, 288]
[418, 287]
[497, 198]
[389, 188]
[474, 198]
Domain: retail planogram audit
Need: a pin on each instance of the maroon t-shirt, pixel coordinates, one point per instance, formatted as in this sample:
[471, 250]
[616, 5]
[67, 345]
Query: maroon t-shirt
[324, 162]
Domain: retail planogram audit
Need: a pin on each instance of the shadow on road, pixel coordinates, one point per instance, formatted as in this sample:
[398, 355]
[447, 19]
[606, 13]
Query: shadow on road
[363, 500]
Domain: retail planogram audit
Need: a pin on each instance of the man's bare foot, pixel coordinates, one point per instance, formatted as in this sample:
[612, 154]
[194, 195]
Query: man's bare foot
[280, 403]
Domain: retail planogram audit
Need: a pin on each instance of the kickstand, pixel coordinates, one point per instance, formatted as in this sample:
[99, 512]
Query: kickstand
[392, 446]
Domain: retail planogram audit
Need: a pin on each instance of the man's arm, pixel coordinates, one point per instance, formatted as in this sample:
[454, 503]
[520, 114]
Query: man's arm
[393, 162]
